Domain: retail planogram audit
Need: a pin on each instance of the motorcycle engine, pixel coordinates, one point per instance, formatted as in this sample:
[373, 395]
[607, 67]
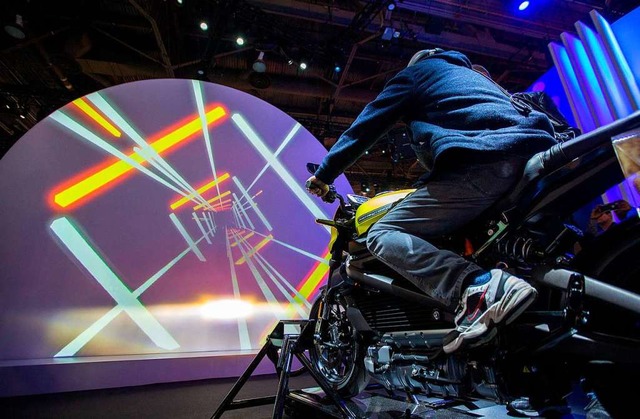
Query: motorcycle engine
[419, 371]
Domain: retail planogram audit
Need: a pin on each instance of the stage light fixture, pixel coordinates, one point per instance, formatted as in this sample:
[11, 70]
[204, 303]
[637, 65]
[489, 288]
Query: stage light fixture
[337, 69]
[204, 26]
[259, 66]
[391, 5]
[290, 61]
[523, 5]
[16, 28]
[303, 65]
[240, 41]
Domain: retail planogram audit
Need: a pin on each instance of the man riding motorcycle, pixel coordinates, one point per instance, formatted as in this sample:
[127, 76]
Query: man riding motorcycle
[473, 144]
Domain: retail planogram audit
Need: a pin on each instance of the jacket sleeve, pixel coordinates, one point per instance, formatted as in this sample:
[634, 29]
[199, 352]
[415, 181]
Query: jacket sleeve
[375, 120]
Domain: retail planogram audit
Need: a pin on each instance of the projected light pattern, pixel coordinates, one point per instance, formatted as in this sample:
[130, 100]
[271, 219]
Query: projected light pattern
[153, 199]
[599, 83]
[586, 66]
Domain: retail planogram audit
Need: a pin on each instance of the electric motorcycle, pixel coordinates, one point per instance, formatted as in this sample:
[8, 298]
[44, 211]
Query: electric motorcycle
[584, 327]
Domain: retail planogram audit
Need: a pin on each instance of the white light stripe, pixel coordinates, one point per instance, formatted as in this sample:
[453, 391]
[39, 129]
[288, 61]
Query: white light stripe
[253, 204]
[187, 237]
[209, 226]
[293, 132]
[90, 332]
[282, 284]
[239, 222]
[163, 167]
[72, 125]
[132, 133]
[296, 249]
[243, 331]
[204, 232]
[286, 177]
[266, 291]
[197, 91]
[301, 311]
[213, 222]
[94, 264]
[236, 203]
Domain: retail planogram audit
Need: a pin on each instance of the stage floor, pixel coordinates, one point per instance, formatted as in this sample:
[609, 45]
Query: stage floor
[375, 403]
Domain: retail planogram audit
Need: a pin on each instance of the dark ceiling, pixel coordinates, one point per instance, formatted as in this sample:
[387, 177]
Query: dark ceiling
[72, 48]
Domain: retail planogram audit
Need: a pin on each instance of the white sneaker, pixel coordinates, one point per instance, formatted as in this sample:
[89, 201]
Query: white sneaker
[483, 307]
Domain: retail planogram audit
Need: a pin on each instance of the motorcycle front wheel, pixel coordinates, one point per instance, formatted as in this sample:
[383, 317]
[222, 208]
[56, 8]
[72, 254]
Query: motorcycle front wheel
[337, 353]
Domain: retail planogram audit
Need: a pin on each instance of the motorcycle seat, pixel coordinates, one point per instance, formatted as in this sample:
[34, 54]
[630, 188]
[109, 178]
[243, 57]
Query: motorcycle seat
[544, 163]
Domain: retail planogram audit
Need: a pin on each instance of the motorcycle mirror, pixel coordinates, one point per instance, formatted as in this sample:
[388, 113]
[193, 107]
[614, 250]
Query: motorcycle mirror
[312, 167]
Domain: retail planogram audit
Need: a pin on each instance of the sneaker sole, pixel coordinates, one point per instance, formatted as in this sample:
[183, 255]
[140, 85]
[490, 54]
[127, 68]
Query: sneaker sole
[484, 328]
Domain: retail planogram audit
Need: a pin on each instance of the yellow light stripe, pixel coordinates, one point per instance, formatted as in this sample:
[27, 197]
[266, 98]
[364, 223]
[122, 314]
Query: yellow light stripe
[222, 195]
[180, 202]
[97, 180]
[311, 283]
[245, 238]
[86, 108]
[253, 251]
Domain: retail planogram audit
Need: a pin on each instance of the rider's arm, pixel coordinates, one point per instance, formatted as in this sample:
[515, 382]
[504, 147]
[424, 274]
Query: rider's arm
[376, 119]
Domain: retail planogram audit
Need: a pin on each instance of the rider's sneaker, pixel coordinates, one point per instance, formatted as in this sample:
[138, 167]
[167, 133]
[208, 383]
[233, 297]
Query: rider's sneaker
[483, 307]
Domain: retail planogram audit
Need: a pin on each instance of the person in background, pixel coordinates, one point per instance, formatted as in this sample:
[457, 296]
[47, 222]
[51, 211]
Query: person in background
[473, 144]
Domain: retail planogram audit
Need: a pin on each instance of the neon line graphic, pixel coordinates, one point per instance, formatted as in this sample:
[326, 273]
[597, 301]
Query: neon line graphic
[204, 233]
[254, 250]
[213, 222]
[90, 332]
[84, 106]
[209, 225]
[268, 269]
[268, 295]
[222, 195]
[295, 249]
[180, 202]
[197, 91]
[245, 238]
[298, 298]
[286, 177]
[94, 264]
[164, 168]
[311, 283]
[97, 180]
[187, 237]
[237, 205]
[62, 199]
[237, 218]
[288, 138]
[145, 150]
[253, 204]
[243, 331]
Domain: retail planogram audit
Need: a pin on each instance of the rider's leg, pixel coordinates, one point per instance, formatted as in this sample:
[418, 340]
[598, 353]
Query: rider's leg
[447, 203]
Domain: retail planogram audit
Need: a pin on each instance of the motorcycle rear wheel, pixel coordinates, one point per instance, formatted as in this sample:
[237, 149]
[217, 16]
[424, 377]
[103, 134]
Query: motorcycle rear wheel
[337, 353]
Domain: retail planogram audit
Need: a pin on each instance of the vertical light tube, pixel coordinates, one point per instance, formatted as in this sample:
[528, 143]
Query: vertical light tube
[572, 87]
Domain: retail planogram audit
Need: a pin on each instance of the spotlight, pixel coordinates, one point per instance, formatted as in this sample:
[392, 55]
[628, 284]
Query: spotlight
[290, 62]
[337, 69]
[16, 28]
[201, 72]
[523, 5]
[303, 65]
[240, 40]
[391, 5]
[259, 66]
[204, 26]
[179, 1]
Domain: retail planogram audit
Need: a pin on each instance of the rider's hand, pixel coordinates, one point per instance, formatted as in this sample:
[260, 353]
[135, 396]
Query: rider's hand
[317, 187]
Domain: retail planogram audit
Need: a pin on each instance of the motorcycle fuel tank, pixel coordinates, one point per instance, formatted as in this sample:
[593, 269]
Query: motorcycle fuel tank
[372, 210]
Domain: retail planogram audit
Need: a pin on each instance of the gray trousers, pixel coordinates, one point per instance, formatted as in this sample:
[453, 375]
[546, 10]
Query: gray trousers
[445, 204]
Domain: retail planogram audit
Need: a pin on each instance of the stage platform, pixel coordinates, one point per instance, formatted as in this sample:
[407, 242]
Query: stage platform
[375, 402]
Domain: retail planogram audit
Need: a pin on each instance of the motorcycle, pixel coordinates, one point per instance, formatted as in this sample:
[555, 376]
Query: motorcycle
[371, 323]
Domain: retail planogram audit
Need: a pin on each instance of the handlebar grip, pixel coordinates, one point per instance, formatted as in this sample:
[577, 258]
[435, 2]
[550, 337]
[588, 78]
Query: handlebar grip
[330, 196]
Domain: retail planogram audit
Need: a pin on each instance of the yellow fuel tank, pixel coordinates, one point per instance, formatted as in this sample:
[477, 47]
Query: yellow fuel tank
[372, 210]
